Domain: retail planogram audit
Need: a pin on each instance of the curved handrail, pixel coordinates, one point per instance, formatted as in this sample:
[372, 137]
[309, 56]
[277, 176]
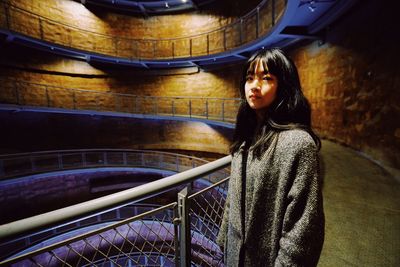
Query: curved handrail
[111, 201]
[246, 29]
[22, 164]
[212, 108]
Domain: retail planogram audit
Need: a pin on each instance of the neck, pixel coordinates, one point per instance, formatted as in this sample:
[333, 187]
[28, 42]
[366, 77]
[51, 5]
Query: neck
[260, 115]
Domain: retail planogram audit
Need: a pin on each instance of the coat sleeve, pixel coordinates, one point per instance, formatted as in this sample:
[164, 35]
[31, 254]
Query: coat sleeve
[303, 223]
[223, 230]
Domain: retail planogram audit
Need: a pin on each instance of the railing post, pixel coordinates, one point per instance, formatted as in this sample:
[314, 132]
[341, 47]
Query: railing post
[190, 108]
[2, 172]
[7, 12]
[74, 99]
[105, 162]
[184, 227]
[258, 22]
[41, 29]
[117, 103]
[208, 44]
[16, 93]
[33, 165]
[273, 12]
[223, 110]
[224, 39]
[60, 162]
[207, 108]
[191, 47]
[124, 158]
[154, 48]
[97, 102]
[83, 159]
[241, 31]
[47, 96]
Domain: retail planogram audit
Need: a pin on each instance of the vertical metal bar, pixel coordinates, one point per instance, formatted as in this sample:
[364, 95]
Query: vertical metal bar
[224, 39]
[208, 44]
[74, 99]
[191, 47]
[207, 108]
[117, 103]
[241, 31]
[60, 162]
[2, 172]
[33, 165]
[7, 12]
[41, 29]
[176, 221]
[190, 108]
[97, 102]
[124, 158]
[223, 110]
[84, 159]
[105, 161]
[184, 227]
[154, 49]
[258, 22]
[47, 96]
[16, 93]
[273, 12]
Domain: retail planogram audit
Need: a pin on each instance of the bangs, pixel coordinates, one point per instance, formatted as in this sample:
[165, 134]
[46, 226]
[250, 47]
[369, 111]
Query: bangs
[268, 61]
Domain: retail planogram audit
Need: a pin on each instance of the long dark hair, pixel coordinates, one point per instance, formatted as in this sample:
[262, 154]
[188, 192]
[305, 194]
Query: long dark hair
[289, 110]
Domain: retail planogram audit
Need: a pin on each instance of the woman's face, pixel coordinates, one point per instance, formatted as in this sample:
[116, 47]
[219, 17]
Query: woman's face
[260, 88]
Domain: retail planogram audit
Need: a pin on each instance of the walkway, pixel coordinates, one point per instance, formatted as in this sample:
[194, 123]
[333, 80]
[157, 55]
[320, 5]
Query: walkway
[362, 209]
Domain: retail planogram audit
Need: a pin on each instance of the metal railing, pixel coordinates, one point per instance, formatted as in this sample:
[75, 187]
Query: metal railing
[246, 29]
[33, 94]
[22, 164]
[151, 238]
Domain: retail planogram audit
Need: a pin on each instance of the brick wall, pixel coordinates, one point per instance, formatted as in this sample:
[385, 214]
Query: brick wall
[352, 82]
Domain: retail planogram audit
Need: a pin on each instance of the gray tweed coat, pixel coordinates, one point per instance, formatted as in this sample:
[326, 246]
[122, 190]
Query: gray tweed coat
[284, 220]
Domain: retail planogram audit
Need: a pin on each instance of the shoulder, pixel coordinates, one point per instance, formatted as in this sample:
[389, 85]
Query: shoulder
[296, 140]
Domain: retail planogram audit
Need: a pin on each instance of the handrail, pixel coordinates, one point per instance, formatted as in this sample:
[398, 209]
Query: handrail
[111, 201]
[231, 36]
[211, 108]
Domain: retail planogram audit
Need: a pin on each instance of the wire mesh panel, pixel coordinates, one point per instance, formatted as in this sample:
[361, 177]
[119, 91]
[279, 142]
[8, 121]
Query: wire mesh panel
[206, 211]
[147, 239]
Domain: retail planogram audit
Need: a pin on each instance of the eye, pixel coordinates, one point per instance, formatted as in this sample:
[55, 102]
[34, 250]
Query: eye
[267, 78]
[249, 78]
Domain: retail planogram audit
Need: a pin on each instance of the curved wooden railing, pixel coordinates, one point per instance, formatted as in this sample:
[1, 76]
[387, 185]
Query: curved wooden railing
[246, 29]
[34, 94]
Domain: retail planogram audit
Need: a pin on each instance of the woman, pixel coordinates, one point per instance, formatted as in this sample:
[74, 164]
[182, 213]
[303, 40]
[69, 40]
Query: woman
[274, 214]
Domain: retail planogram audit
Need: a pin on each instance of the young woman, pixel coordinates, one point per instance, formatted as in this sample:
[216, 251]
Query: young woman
[273, 214]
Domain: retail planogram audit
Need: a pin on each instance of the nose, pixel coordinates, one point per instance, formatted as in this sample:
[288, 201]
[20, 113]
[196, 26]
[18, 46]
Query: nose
[256, 85]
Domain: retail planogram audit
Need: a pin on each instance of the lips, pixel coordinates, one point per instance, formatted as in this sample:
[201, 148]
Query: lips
[253, 97]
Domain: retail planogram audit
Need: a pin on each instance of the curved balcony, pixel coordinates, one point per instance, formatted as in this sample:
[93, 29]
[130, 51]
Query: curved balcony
[58, 37]
[149, 7]
[33, 94]
[272, 23]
